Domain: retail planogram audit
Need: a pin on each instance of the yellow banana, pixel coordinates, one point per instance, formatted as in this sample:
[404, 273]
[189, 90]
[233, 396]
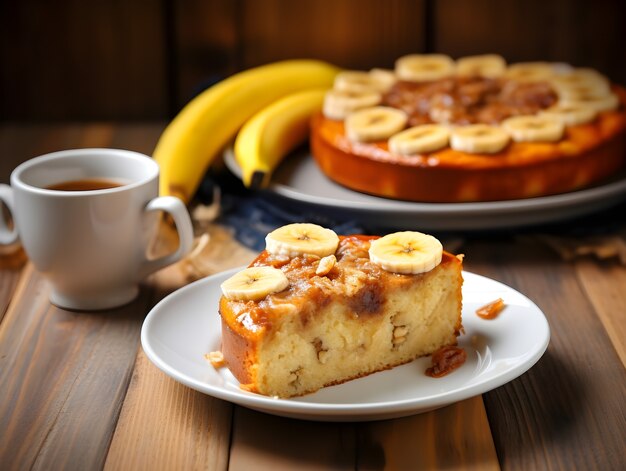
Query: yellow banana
[273, 132]
[208, 122]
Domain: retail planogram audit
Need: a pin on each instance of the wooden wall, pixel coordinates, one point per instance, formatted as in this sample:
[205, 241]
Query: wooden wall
[144, 59]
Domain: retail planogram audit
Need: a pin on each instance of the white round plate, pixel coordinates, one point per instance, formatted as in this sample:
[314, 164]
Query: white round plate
[299, 180]
[185, 325]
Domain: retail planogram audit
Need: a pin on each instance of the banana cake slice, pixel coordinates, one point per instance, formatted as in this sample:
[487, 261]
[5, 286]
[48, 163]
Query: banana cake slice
[315, 309]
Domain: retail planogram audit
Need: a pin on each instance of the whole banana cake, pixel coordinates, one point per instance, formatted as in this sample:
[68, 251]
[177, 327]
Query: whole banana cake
[316, 309]
[476, 129]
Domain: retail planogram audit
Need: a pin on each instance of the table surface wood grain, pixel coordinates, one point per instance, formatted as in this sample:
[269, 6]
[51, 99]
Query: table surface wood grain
[77, 391]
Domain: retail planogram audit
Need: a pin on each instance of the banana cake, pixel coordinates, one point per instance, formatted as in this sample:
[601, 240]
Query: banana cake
[476, 129]
[315, 309]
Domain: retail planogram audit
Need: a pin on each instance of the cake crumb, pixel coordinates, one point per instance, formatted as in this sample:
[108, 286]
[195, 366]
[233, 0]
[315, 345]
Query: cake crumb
[216, 359]
[445, 360]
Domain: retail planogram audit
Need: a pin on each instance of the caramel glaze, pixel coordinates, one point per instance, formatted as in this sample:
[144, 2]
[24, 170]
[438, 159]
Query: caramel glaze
[307, 292]
[469, 100]
[586, 154]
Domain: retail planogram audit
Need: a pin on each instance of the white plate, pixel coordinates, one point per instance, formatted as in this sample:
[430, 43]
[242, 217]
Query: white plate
[186, 325]
[299, 180]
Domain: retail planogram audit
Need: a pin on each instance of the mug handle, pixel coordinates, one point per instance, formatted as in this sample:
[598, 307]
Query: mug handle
[7, 236]
[175, 208]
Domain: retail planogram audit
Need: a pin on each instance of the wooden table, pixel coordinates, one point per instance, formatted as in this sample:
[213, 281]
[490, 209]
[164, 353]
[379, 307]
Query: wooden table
[77, 391]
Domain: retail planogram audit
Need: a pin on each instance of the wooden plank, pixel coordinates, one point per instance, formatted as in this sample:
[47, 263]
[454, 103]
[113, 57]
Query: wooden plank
[605, 285]
[215, 39]
[10, 269]
[349, 33]
[262, 441]
[138, 137]
[205, 45]
[581, 33]
[82, 60]
[456, 437]
[567, 411]
[74, 367]
[17, 144]
[20, 142]
[165, 425]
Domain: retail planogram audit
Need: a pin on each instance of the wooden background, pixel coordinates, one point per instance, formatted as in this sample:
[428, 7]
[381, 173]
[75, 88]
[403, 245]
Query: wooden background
[143, 59]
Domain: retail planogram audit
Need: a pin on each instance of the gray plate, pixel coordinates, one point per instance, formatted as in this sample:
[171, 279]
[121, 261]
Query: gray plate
[298, 181]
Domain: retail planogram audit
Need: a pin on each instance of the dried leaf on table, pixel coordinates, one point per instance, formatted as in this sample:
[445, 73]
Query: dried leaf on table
[602, 247]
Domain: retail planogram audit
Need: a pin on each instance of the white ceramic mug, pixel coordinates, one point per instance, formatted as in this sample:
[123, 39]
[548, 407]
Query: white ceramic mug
[92, 244]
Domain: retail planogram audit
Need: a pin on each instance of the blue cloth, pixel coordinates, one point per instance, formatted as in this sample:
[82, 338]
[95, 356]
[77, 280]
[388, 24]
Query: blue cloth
[253, 217]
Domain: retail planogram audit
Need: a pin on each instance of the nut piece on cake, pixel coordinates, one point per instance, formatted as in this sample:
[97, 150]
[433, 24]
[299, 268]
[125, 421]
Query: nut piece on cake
[352, 305]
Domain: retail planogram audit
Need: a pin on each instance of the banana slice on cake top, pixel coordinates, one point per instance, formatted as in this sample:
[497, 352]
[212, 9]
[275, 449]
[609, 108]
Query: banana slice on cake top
[406, 252]
[479, 139]
[338, 104]
[298, 239]
[486, 65]
[254, 283]
[534, 128]
[358, 81]
[375, 124]
[420, 139]
[572, 114]
[424, 67]
[530, 71]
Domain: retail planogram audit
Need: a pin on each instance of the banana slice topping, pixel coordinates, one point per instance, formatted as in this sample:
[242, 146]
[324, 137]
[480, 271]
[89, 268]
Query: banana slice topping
[424, 67]
[534, 128]
[254, 283]
[581, 76]
[599, 104]
[486, 65]
[479, 139]
[530, 71]
[374, 124]
[384, 78]
[356, 81]
[338, 104]
[406, 252]
[582, 90]
[419, 139]
[572, 114]
[297, 239]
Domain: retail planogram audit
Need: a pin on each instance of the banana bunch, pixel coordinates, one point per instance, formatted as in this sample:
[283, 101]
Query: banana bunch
[212, 119]
[406, 252]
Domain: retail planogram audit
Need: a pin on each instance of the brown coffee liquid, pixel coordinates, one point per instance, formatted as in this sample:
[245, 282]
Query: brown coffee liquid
[88, 184]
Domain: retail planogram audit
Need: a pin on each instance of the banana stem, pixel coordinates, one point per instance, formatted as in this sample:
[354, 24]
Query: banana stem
[258, 180]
